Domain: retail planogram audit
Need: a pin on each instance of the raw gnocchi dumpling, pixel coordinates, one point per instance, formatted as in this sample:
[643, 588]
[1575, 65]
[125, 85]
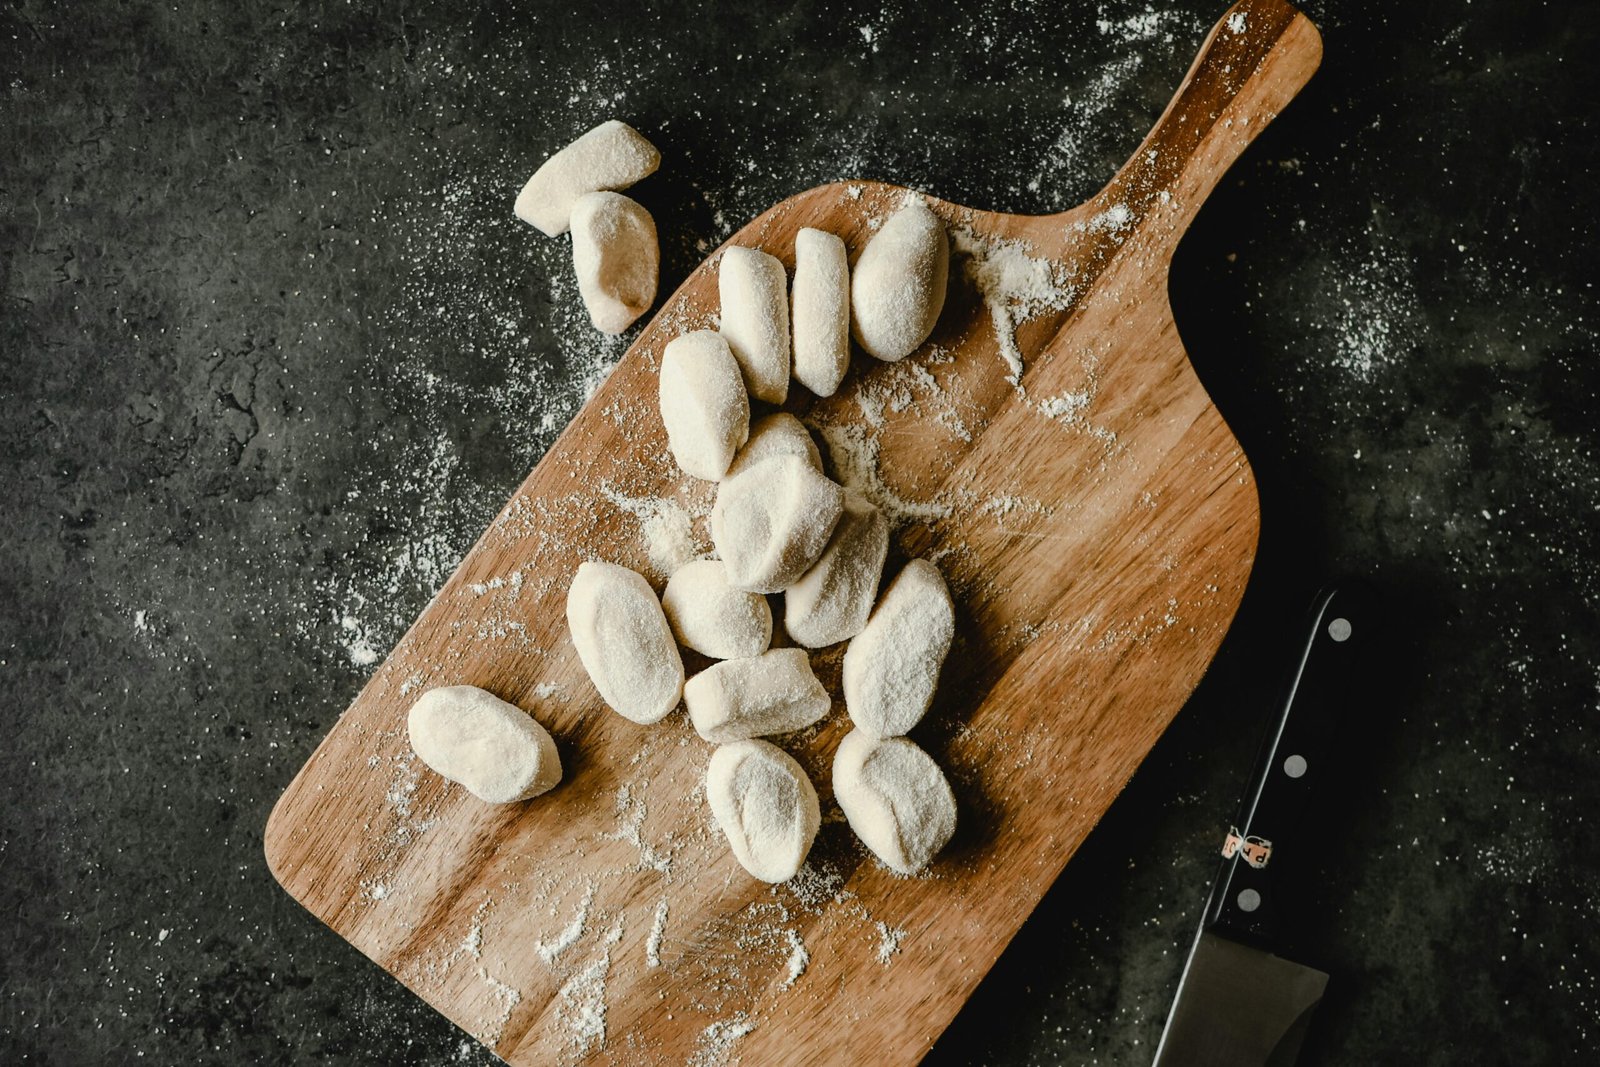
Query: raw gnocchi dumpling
[711, 616]
[703, 404]
[765, 806]
[833, 600]
[898, 286]
[613, 155]
[773, 693]
[895, 798]
[892, 666]
[772, 520]
[493, 748]
[616, 258]
[624, 642]
[755, 319]
[821, 318]
[779, 434]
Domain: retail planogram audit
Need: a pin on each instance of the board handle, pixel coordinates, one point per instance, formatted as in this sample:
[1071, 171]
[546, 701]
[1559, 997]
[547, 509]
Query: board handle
[1256, 58]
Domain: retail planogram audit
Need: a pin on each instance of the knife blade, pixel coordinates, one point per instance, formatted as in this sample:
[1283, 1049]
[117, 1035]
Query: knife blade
[1239, 1001]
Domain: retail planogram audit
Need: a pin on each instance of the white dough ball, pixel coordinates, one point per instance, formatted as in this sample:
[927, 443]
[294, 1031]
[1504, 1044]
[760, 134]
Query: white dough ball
[755, 319]
[832, 601]
[495, 749]
[616, 258]
[772, 520]
[773, 693]
[624, 642]
[779, 434]
[703, 404]
[711, 616]
[898, 287]
[765, 806]
[892, 666]
[613, 155]
[895, 798]
[821, 319]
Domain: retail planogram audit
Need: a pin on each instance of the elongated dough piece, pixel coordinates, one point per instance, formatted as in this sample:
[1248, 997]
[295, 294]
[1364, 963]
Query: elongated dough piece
[892, 666]
[755, 319]
[711, 616]
[765, 806]
[832, 601]
[778, 434]
[772, 520]
[492, 747]
[703, 404]
[613, 155]
[897, 289]
[895, 798]
[623, 640]
[773, 693]
[616, 258]
[821, 299]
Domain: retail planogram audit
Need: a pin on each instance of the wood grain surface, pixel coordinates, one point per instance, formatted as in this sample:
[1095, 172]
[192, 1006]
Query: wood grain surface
[1096, 521]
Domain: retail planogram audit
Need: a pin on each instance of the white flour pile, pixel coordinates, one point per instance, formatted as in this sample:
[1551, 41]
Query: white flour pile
[1015, 287]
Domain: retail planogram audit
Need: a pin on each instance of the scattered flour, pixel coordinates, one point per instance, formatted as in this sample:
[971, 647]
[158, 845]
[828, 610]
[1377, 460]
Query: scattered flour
[550, 950]
[582, 998]
[798, 960]
[889, 942]
[508, 999]
[668, 533]
[1015, 287]
[715, 1045]
[854, 452]
[658, 930]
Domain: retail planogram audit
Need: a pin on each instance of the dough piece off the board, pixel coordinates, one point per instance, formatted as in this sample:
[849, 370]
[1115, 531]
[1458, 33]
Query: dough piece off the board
[898, 287]
[772, 520]
[832, 601]
[711, 616]
[616, 259]
[773, 693]
[821, 317]
[703, 404]
[755, 319]
[613, 155]
[779, 434]
[892, 666]
[624, 642]
[493, 748]
[895, 798]
[765, 806]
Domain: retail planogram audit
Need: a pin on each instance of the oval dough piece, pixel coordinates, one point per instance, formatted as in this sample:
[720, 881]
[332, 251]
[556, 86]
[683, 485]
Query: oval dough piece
[623, 640]
[772, 520]
[892, 666]
[703, 404]
[832, 601]
[711, 616]
[765, 806]
[613, 155]
[755, 319]
[779, 434]
[495, 749]
[897, 289]
[821, 300]
[773, 693]
[895, 798]
[616, 258]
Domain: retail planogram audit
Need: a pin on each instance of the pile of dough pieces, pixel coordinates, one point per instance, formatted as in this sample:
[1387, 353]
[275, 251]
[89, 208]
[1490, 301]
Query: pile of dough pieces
[614, 249]
[780, 525]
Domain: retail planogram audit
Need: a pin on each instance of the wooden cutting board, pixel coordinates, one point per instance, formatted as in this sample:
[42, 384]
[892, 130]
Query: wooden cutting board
[1094, 516]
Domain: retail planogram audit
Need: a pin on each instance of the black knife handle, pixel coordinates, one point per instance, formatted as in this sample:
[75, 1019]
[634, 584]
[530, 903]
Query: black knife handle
[1247, 898]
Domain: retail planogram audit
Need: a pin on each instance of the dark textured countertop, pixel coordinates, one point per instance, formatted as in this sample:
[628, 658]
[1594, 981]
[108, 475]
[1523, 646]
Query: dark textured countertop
[274, 351]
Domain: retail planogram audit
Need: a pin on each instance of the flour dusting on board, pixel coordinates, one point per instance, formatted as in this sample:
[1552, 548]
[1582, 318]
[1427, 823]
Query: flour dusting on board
[1015, 287]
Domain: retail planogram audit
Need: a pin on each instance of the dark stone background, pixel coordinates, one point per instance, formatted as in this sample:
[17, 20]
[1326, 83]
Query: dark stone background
[274, 350]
